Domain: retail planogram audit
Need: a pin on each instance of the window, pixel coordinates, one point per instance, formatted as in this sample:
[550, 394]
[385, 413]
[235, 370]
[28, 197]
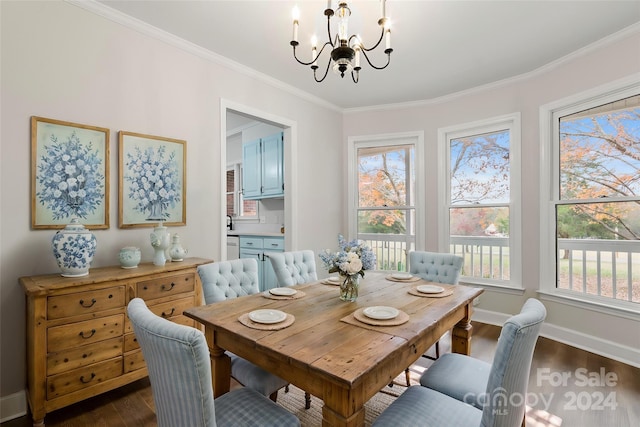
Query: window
[383, 187]
[236, 205]
[481, 209]
[594, 197]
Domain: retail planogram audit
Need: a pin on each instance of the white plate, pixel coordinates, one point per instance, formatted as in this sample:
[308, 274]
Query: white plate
[381, 312]
[430, 289]
[334, 279]
[402, 276]
[267, 316]
[282, 291]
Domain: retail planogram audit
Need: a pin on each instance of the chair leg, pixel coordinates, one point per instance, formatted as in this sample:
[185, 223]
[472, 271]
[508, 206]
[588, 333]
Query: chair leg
[407, 374]
[524, 421]
[274, 396]
[437, 352]
[307, 400]
[286, 388]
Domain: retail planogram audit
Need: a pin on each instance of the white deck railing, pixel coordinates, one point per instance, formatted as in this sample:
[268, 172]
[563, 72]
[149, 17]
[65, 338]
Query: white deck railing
[609, 268]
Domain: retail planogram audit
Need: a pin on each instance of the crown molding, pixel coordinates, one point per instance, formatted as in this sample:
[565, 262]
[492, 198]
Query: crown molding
[612, 38]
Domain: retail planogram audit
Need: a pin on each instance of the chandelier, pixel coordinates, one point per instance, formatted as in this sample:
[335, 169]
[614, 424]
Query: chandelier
[345, 49]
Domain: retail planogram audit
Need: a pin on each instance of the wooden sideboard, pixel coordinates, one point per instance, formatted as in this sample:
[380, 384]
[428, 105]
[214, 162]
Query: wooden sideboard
[79, 340]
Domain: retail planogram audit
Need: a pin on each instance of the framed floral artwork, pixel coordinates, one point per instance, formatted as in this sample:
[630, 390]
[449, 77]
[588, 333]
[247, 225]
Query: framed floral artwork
[69, 174]
[151, 181]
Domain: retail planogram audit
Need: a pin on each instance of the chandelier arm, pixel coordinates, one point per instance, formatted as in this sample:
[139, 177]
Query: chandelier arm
[313, 60]
[326, 71]
[387, 51]
[372, 47]
[329, 28]
[355, 75]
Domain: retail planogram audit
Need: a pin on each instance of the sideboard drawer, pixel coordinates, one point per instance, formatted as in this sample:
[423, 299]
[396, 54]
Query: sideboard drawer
[130, 342]
[83, 333]
[166, 286]
[133, 361]
[73, 358]
[59, 385]
[85, 302]
[171, 309]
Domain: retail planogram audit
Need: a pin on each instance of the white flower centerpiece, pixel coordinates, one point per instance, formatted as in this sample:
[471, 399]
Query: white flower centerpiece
[353, 258]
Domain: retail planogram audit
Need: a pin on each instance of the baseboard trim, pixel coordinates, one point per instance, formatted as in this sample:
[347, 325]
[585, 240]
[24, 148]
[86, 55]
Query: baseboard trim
[13, 406]
[602, 347]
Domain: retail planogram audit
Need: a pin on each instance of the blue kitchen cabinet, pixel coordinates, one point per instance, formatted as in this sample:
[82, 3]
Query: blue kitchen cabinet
[252, 170]
[259, 248]
[263, 168]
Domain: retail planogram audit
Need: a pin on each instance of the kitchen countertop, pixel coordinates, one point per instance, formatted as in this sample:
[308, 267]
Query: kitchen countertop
[254, 233]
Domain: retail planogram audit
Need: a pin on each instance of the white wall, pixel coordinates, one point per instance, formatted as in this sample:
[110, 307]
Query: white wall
[605, 334]
[63, 62]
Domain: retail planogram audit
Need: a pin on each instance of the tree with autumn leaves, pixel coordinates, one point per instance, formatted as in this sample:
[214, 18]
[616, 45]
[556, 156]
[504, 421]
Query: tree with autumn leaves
[600, 175]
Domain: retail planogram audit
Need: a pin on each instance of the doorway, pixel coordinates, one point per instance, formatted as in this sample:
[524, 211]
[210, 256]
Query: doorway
[235, 116]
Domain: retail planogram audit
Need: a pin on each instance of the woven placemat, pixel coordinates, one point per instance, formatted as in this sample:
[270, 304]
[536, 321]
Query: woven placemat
[297, 295]
[416, 292]
[413, 279]
[246, 321]
[401, 318]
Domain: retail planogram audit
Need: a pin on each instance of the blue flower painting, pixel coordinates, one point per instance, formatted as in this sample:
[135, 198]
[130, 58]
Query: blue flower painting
[70, 174]
[71, 179]
[153, 181]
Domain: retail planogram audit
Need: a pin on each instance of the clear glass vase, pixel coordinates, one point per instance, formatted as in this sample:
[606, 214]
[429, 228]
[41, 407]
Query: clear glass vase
[349, 287]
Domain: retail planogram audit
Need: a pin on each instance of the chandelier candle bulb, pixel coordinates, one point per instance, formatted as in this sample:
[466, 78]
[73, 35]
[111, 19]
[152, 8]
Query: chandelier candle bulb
[296, 15]
[383, 8]
[388, 39]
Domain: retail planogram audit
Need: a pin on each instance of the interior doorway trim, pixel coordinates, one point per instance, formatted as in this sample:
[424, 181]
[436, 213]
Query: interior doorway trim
[290, 129]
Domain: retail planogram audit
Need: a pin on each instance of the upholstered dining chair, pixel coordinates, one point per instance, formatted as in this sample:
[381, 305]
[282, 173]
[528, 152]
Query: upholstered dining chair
[177, 358]
[435, 267]
[295, 267]
[462, 392]
[232, 279]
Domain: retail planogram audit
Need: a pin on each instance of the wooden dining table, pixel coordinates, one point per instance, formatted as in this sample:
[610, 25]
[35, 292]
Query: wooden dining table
[327, 351]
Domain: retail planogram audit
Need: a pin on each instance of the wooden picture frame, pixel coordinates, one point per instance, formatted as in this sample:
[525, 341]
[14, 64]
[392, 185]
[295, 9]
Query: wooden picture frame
[69, 174]
[152, 180]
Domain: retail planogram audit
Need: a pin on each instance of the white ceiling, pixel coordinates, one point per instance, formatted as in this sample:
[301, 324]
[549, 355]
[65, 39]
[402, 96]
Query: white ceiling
[440, 47]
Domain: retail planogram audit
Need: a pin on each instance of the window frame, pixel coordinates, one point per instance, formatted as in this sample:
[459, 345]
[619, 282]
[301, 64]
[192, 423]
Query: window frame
[512, 123]
[381, 140]
[238, 199]
[550, 193]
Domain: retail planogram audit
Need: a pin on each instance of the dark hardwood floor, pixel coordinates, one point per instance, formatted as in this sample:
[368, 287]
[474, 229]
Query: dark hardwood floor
[567, 387]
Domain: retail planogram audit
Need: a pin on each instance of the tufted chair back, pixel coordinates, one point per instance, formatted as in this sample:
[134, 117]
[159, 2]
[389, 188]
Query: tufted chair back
[294, 268]
[436, 267]
[229, 279]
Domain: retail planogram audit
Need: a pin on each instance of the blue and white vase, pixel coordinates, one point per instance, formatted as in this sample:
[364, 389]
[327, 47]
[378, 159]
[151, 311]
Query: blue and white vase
[74, 248]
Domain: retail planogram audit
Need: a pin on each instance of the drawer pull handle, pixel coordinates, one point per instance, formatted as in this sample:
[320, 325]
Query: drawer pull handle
[93, 301]
[93, 331]
[87, 381]
[170, 314]
[164, 288]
